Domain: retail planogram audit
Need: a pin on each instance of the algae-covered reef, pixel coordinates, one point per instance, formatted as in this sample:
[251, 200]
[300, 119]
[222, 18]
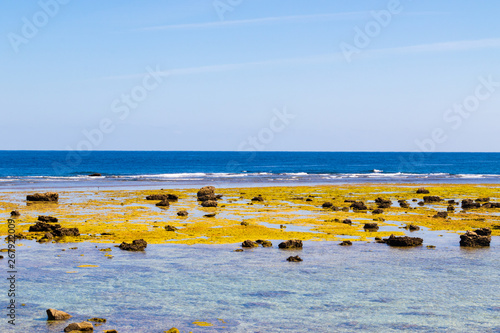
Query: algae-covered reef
[278, 213]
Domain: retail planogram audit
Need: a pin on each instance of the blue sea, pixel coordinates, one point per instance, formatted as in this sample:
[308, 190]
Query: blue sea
[33, 169]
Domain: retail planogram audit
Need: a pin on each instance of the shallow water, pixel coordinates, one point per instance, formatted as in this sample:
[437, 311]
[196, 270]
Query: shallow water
[366, 287]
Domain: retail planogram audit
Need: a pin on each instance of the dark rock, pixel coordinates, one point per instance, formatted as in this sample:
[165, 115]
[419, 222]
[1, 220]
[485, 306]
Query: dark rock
[441, 215]
[350, 200]
[84, 326]
[347, 221]
[378, 211]
[482, 199]
[371, 226]
[309, 199]
[345, 209]
[15, 213]
[491, 205]
[403, 204]
[49, 219]
[432, 198]
[483, 232]
[470, 204]
[291, 244]
[245, 223]
[209, 203]
[163, 203]
[49, 196]
[210, 215]
[169, 227]
[423, 190]
[359, 206]
[450, 208]
[264, 243]
[206, 193]
[412, 227]
[249, 243]
[383, 203]
[97, 320]
[53, 314]
[294, 259]
[327, 205]
[209, 197]
[421, 203]
[136, 245]
[44, 227]
[473, 239]
[47, 237]
[403, 241]
[346, 243]
[451, 202]
[95, 175]
[182, 213]
[62, 232]
[258, 198]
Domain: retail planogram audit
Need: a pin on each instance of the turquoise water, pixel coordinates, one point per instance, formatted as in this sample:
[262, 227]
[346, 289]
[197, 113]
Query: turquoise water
[367, 287]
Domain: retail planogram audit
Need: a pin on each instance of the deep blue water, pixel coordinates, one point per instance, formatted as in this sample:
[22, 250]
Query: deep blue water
[35, 167]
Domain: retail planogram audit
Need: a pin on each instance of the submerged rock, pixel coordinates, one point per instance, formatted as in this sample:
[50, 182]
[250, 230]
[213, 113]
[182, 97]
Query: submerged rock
[294, 259]
[53, 314]
[182, 213]
[476, 238]
[84, 326]
[346, 243]
[403, 241]
[291, 244]
[264, 243]
[136, 245]
[249, 243]
[49, 196]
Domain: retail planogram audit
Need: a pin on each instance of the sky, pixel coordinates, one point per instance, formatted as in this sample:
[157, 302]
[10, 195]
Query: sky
[266, 75]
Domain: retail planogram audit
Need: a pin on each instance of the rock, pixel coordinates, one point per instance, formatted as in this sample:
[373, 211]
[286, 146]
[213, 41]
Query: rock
[294, 259]
[359, 206]
[378, 211]
[244, 223]
[170, 228]
[219, 196]
[43, 226]
[264, 243]
[249, 243]
[15, 213]
[423, 190]
[172, 330]
[346, 243]
[95, 175]
[451, 202]
[403, 241]
[163, 203]
[421, 203]
[470, 204]
[441, 215]
[53, 314]
[84, 326]
[309, 199]
[209, 203]
[206, 193]
[211, 197]
[291, 244]
[210, 215]
[157, 197]
[383, 203]
[62, 232]
[97, 320]
[182, 213]
[350, 200]
[412, 227]
[450, 208]
[475, 239]
[379, 219]
[403, 204]
[110, 331]
[347, 221]
[136, 245]
[491, 205]
[258, 198]
[49, 196]
[49, 219]
[371, 226]
[345, 209]
[432, 198]
[482, 199]
[238, 250]
[327, 205]
[47, 237]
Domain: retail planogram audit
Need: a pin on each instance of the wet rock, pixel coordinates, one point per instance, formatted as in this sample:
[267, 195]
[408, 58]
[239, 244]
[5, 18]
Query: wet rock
[347, 221]
[403, 241]
[163, 203]
[219, 196]
[359, 206]
[346, 243]
[476, 238]
[423, 190]
[403, 204]
[414, 200]
[48, 219]
[432, 198]
[371, 226]
[383, 203]
[327, 205]
[451, 202]
[206, 193]
[209, 203]
[170, 228]
[378, 211]
[136, 245]
[162, 197]
[244, 223]
[238, 250]
[441, 215]
[49, 196]
[291, 244]
[294, 259]
[15, 213]
[210, 197]
[53, 314]
[309, 199]
[96, 174]
[97, 320]
[412, 227]
[491, 205]
[110, 331]
[379, 219]
[350, 200]
[182, 213]
[482, 199]
[84, 326]
[47, 237]
[62, 232]
[470, 204]
[249, 243]
[345, 209]
[450, 208]
[44, 227]
[264, 243]
[258, 198]
[421, 203]
[210, 215]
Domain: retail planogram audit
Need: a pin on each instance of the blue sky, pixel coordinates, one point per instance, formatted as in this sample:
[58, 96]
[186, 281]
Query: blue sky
[225, 68]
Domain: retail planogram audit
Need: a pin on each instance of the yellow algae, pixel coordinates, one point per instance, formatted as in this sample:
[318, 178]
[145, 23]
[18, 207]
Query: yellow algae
[71, 272]
[202, 323]
[84, 266]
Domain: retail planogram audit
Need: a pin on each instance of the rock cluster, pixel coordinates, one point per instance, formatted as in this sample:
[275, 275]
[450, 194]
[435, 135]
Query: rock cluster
[136, 245]
[403, 241]
[476, 238]
[54, 229]
[291, 244]
[49, 196]
[207, 196]
[383, 203]
[470, 204]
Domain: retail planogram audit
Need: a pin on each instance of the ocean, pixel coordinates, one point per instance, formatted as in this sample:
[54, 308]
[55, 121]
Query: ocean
[32, 169]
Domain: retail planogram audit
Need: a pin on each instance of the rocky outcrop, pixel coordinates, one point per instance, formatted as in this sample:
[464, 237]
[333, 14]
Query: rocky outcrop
[482, 199]
[491, 205]
[476, 238]
[249, 243]
[53, 314]
[359, 206]
[49, 196]
[383, 203]
[423, 190]
[294, 259]
[136, 245]
[470, 204]
[291, 244]
[206, 193]
[84, 326]
[55, 229]
[403, 241]
[49, 219]
[432, 198]
[62, 232]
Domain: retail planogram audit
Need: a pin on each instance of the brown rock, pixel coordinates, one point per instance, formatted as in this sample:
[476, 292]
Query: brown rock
[403, 241]
[209, 203]
[477, 238]
[170, 228]
[327, 205]
[136, 245]
[346, 243]
[15, 213]
[48, 219]
[371, 226]
[432, 198]
[249, 243]
[264, 243]
[258, 198]
[206, 191]
[378, 211]
[163, 203]
[53, 314]
[441, 215]
[422, 190]
[49, 196]
[294, 259]
[291, 244]
[182, 213]
[359, 206]
[84, 326]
